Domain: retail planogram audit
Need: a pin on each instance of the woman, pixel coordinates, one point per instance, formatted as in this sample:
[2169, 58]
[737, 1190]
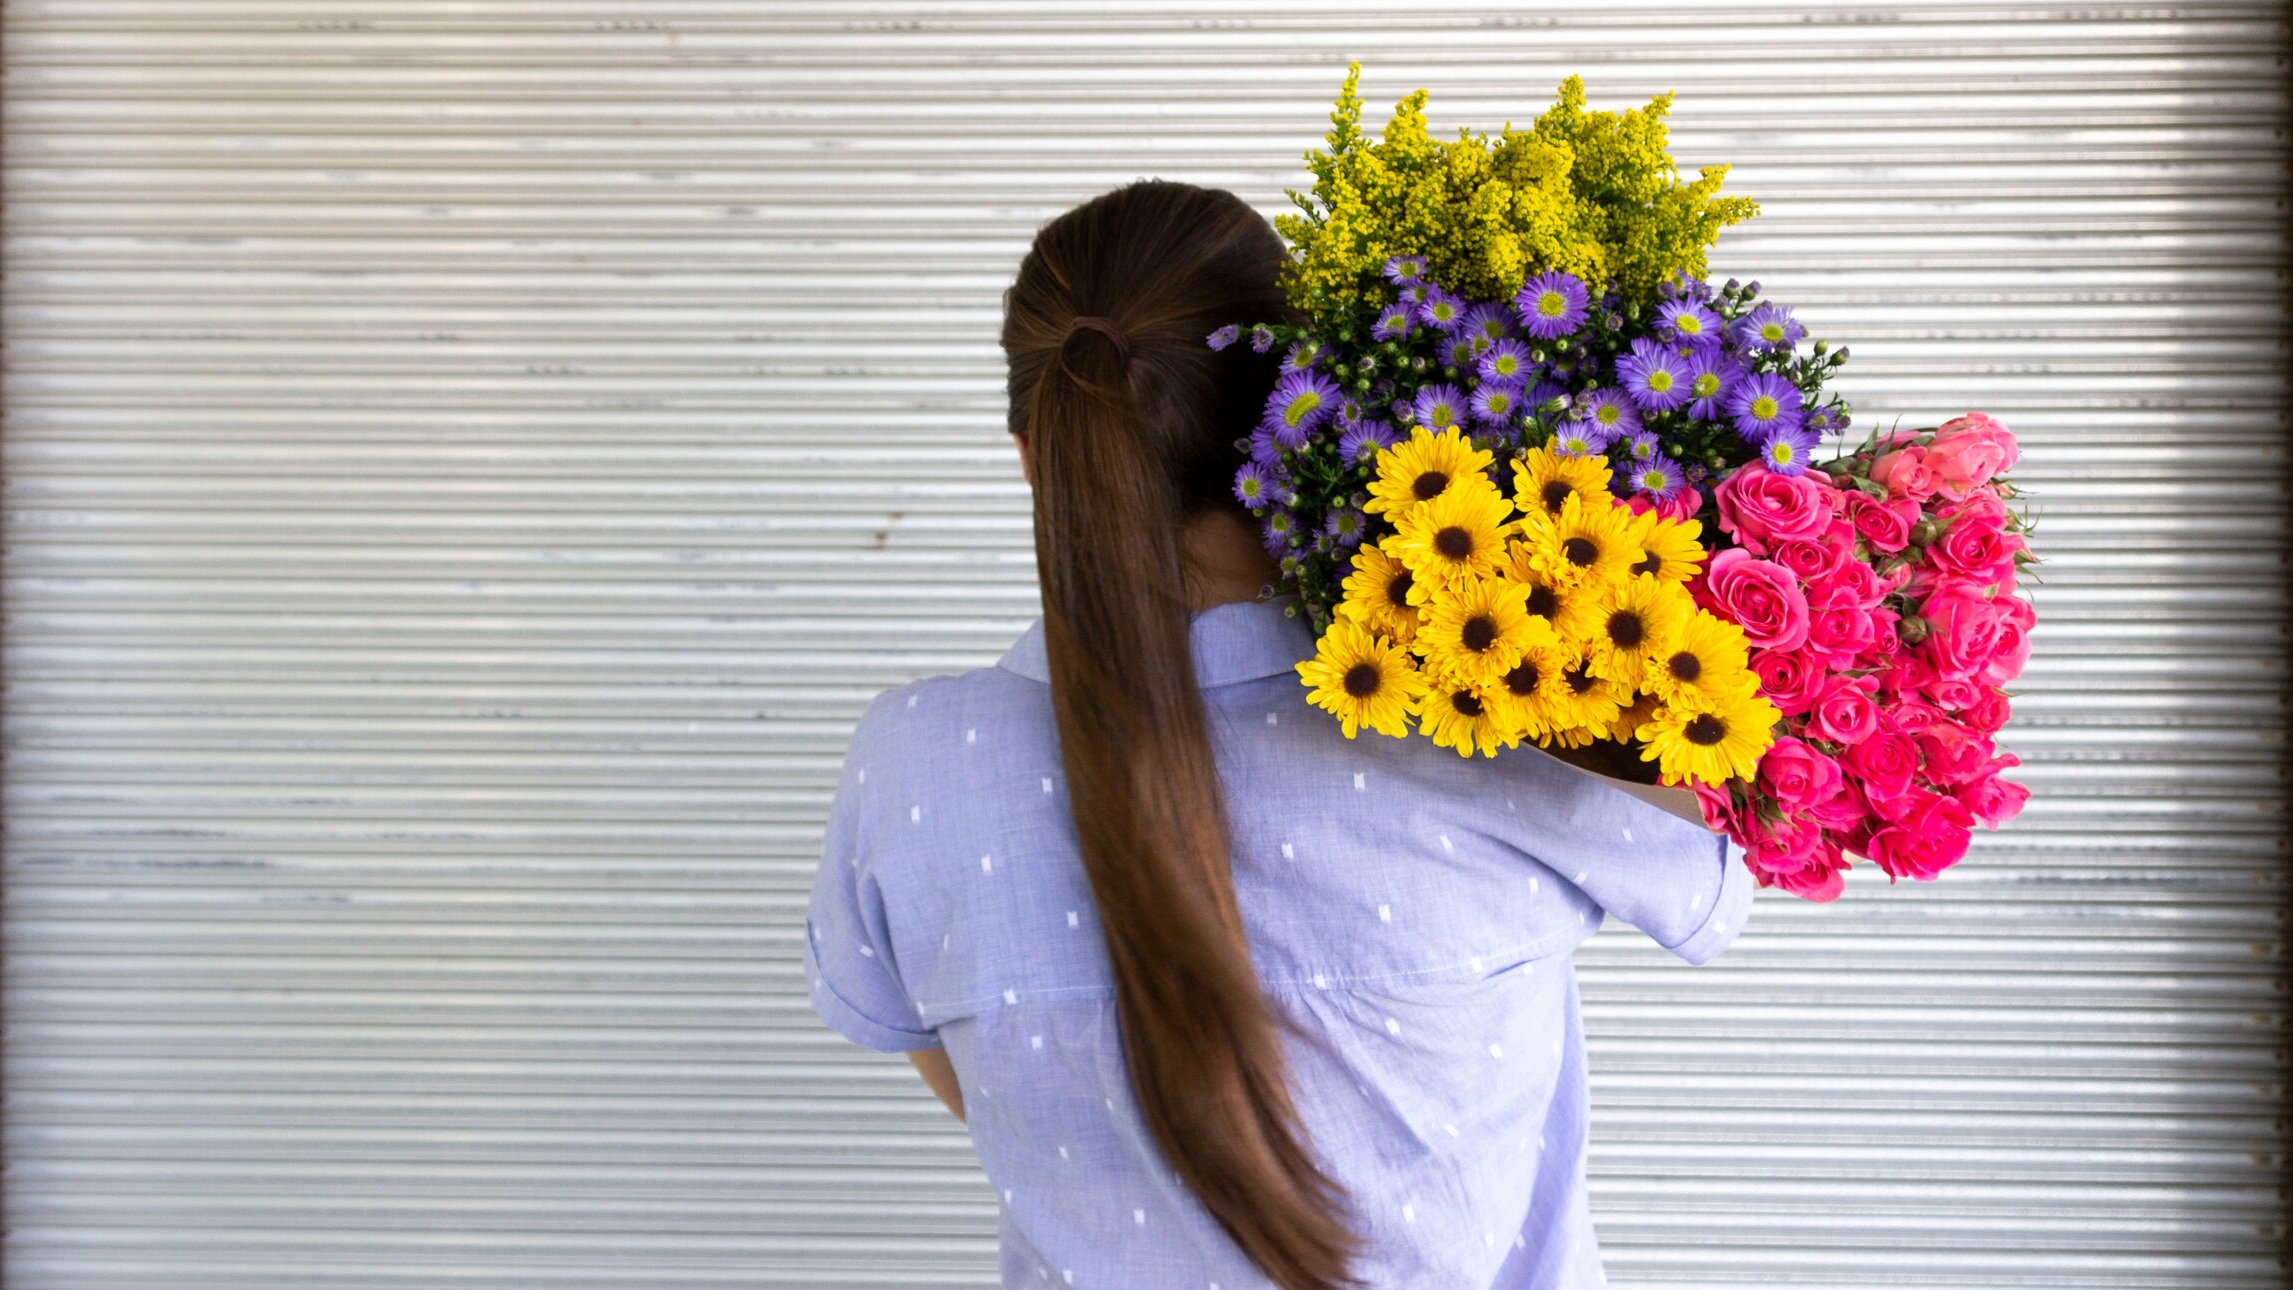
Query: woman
[1226, 998]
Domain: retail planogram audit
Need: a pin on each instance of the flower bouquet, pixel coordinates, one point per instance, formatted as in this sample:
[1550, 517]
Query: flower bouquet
[1533, 478]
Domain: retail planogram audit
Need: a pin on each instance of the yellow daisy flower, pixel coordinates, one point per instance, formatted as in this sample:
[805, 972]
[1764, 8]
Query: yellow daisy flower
[1362, 679]
[1459, 714]
[1457, 535]
[1544, 480]
[1377, 595]
[1586, 705]
[1589, 540]
[1625, 623]
[1527, 692]
[1421, 468]
[1673, 549]
[1630, 720]
[1707, 746]
[1480, 628]
[1706, 663]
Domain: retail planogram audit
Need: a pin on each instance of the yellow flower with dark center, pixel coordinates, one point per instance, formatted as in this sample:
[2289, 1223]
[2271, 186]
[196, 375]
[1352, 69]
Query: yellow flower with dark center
[1544, 480]
[1624, 623]
[1458, 535]
[1726, 741]
[1377, 595]
[1628, 722]
[1671, 549]
[1479, 628]
[1525, 693]
[1460, 714]
[1421, 467]
[1362, 679]
[1548, 599]
[1585, 704]
[1706, 664]
[1590, 540]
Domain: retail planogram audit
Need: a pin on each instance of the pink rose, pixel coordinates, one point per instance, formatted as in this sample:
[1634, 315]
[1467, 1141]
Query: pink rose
[1796, 856]
[1927, 838]
[1954, 693]
[1839, 636]
[1790, 679]
[1912, 715]
[1883, 765]
[1911, 674]
[2015, 618]
[1810, 562]
[1845, 714]
[1977, 545]
[1796, 775]
[1885, 525]
[1962, 630]
[1953, 755]
[1762, 598]
[1991, 799]
[1762, 508]
[1967, 451]
[1842, 810]
[1906, 474]
[1987, 713]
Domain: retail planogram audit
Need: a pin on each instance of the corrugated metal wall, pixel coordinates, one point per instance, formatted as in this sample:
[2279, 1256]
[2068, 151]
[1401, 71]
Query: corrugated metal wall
[469, 462]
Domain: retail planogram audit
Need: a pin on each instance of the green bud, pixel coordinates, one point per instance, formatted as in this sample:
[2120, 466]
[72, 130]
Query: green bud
[1912, 629]
[1924, 533]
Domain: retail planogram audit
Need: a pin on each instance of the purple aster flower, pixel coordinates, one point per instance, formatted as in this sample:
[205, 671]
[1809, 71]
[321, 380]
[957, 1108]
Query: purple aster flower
[1659, 478]
[1281, 533]
[1639, 446]
[1655, 375]
[1496, 405]
[1761, 402]
[1487, 321]
[1695, 324]
[1441, 310]
[1349, 411]
[1346, 526]
[1303, 355]
[1300, 401]
[1551, 304]
[1265, 448]
[1462, 352]
[1571, 440]
[1250, 486]
[1768, 327]
[1788, 449]
[1820, 420]
[1226, 335]
[1412, 294]
[1363, 440]
[1396, 322]
[1712, 373]
[1261, 338]
[1505, 362]
[1403, 270]
[1439, 407]
[1611, 410]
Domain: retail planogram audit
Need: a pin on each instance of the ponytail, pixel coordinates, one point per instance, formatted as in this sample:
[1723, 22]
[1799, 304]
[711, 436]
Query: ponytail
[1130, 419]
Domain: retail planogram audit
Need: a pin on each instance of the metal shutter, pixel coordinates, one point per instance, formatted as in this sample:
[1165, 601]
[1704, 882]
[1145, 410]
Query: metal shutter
[468, 464]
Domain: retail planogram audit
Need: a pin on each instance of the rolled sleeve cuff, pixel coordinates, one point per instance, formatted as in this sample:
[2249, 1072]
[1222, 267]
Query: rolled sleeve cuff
[1730, 906]
[847, 1020]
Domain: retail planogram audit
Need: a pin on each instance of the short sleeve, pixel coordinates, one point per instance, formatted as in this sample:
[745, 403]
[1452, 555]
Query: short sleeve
[849, 959]
[1685, 886]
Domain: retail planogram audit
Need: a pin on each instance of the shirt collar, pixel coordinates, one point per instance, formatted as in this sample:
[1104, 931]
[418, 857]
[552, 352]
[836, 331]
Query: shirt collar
[1239, 640]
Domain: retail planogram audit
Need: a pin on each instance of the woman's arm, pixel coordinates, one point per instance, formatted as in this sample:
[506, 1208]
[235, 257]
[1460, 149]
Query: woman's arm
[933, 1065]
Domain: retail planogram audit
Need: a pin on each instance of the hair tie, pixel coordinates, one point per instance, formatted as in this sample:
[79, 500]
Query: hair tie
[1105, 327]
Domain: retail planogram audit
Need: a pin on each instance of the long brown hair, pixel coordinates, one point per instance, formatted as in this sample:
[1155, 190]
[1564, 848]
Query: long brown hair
[1132, 421]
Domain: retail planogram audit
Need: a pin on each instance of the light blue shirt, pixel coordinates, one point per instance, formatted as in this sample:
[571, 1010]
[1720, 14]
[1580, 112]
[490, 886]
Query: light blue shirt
[1414, 910]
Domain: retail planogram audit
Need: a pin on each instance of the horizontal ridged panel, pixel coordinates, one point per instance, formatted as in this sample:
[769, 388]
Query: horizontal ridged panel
[468, 464]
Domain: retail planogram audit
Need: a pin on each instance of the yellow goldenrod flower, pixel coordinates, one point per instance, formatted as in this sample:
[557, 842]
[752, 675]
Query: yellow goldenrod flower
[1421, 468]
[1362, 679]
